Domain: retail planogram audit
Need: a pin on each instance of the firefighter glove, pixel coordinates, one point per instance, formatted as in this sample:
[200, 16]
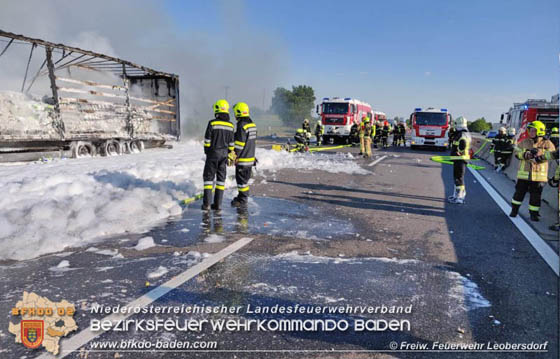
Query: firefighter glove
[231, 158]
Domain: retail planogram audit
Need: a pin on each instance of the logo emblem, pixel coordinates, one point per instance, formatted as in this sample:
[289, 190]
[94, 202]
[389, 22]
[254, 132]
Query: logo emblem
[32, 333]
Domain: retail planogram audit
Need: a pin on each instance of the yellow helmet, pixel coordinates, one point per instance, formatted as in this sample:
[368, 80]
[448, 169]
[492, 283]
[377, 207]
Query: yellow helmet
[241, 109]
[539, 126]
[554, 130]
[299, 130]
[221, 106]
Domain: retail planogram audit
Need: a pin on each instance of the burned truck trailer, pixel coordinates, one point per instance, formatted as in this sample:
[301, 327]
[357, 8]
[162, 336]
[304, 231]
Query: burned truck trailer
[95, 104]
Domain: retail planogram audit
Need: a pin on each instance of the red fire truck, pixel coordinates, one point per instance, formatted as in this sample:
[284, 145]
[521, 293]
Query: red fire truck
[430, 127]
[339, 114]
[521, 114]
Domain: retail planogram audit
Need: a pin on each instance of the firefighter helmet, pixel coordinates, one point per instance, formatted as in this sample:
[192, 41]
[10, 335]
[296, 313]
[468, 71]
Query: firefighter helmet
[554, 130]
[539, 126]
[460, 123]
[299, 130]
[241, 109]
[305, 121]
[221, 106]
[502, 130]
[511, 131]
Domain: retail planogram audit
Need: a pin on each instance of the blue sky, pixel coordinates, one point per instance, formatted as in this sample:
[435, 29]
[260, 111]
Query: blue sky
[475, 58]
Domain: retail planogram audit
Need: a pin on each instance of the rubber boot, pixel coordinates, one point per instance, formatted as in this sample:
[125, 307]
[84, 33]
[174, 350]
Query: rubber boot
[460, 198]
[206, 199]
[241, 200]
[534, 216]
[455, 194]
[514, 210]
[217, 206]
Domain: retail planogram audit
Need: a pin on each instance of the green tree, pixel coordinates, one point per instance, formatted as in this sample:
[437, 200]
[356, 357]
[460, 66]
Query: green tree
[479, 125]
[293, 106]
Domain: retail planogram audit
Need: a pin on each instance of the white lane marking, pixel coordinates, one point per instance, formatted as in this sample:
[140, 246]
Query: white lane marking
[83, 337]
[544, 250]
[377, 161]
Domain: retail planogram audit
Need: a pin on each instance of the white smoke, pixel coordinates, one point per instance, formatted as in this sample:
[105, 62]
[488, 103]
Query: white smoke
[236, 55]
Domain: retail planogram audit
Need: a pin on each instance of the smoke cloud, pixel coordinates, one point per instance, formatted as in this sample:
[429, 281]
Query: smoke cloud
[236, 58]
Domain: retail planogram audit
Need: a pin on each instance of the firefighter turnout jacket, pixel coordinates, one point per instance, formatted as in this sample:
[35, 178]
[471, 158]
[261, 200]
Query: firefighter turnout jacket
[218, 138]
[245, 142]
[501, 143]
[367, 130]
[461, 145]
[534, 155]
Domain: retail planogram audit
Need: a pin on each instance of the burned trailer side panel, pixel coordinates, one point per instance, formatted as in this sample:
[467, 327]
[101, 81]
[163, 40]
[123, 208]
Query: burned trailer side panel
[154, 103]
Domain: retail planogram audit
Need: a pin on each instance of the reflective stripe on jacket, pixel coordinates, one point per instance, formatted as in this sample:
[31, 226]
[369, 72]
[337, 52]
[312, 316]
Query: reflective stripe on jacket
[531, 170]
[218, 138]
[245, 141]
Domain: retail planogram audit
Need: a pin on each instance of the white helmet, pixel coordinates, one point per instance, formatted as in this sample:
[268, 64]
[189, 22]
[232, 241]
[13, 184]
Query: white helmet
[461, 123]
[511, 131]
[502, 130]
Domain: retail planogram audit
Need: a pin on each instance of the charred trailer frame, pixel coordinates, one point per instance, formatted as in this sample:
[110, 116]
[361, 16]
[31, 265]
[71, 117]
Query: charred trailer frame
[130, 108]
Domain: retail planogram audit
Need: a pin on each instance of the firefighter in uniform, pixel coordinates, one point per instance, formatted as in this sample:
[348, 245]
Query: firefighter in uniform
[319, 130]
[377, 133]
[385, 135]
[534, 153]
[554, 182]
[401, 132]
[354, 136]
[361, 134]
[460, 154]
[301, 140]
[218, 140]
[305, 125]
[367, 131]
[500, 145]
[245, 144]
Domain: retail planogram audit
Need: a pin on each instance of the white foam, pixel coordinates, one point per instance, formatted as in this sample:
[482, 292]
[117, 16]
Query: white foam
[71, 203]
[214, 238]
[160, 271]
[466, 293]
[145, 243]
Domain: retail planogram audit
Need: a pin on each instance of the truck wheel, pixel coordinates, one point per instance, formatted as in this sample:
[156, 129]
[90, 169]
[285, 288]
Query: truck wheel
[331, 140]
[111, 148]
[81, 149]
[136, 146]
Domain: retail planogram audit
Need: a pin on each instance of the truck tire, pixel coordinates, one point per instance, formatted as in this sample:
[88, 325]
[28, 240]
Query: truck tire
[111, 148]
[136, 146]
[82, 149]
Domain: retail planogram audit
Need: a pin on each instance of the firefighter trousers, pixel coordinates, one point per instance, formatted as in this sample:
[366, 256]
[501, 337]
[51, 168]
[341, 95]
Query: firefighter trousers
[459, 169]
[367, 145]
[242, 177]
[214, 167]
[535, 191]
[362, 145]
[499, 158]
